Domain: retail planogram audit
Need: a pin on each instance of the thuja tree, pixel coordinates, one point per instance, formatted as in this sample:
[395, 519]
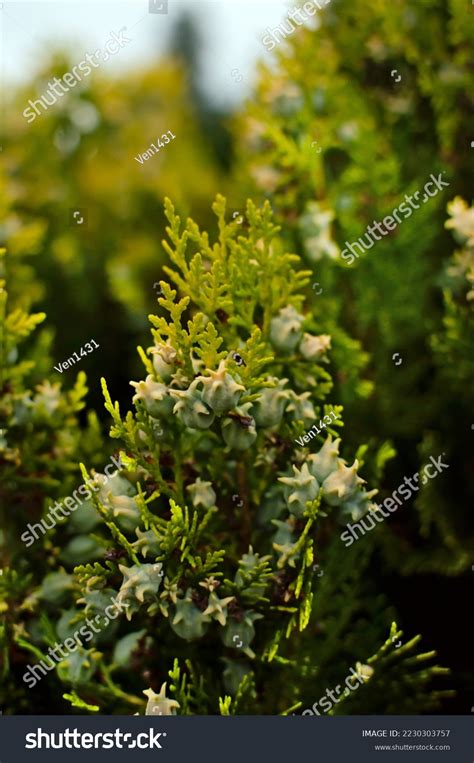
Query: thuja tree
[69, 153]
[41, 442]
[335, 140]
[450, 535]
[222, 532]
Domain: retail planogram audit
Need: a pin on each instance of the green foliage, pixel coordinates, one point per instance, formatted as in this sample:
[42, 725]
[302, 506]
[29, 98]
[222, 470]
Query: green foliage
[330, 170]
[98, 277]
[213, 519]
[218, 537]
[399, 679]
[41, 442]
